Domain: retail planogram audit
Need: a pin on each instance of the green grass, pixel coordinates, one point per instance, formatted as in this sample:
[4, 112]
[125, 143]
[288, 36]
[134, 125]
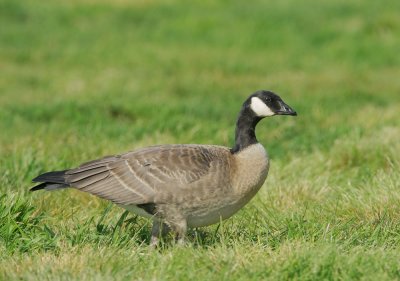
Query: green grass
[83, 79]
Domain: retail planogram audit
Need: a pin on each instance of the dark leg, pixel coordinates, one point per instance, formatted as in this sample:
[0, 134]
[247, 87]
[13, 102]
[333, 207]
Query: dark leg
[180, 229]
[174, 218]
[158, 231]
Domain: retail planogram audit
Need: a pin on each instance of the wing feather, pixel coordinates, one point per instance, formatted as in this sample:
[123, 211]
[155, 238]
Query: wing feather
[138, 177]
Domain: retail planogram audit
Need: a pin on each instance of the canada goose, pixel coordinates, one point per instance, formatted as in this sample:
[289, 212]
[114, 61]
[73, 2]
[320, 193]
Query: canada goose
[181, 185]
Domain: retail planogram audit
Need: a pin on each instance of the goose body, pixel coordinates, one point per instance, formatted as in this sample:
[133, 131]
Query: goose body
[181, 185]
[216, 193]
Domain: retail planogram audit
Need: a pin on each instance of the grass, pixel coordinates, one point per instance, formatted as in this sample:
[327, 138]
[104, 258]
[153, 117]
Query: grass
[83, 79]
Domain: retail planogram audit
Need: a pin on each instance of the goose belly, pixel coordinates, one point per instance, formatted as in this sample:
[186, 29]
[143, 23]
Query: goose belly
[204, 217]
[214, 212]
[210, 212]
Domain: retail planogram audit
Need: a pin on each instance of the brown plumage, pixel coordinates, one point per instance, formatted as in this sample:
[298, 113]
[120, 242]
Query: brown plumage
[181, 186]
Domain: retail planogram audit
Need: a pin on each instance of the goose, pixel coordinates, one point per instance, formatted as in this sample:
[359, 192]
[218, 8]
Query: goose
[181, 185]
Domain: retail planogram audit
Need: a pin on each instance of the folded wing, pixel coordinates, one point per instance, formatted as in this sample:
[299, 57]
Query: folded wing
[140, 176]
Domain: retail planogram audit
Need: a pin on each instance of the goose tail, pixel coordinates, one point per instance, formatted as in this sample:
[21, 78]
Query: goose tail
[50, 181]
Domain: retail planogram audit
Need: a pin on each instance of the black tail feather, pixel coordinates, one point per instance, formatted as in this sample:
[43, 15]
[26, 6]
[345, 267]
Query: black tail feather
[39, 186]
[50, 181]
[51, 177]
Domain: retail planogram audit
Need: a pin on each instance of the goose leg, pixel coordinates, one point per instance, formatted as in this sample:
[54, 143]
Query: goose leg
[180, 229]
[158, 230]
[175, 220]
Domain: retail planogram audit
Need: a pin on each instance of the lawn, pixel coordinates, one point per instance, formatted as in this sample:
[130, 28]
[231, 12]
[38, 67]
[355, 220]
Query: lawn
[84, 79]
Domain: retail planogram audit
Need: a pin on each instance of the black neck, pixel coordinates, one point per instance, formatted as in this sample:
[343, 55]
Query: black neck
[245, 129]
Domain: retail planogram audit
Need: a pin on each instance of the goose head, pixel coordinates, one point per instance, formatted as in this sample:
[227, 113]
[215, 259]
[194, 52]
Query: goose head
[266, 103]
[257, 106]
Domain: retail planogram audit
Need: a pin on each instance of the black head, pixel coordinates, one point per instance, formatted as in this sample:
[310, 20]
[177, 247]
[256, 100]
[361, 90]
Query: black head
[265, 103]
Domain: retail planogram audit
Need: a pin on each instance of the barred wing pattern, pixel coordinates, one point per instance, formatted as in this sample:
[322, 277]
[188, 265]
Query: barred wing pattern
[152, 173]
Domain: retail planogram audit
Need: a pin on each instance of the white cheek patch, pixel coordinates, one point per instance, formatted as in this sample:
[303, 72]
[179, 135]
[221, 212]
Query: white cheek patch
[260, 108]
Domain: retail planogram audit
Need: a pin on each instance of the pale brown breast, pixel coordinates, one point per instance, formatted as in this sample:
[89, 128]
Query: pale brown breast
[252, 167]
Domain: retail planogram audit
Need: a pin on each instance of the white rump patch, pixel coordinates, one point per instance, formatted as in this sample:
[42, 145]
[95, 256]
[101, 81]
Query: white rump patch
[260, 108]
